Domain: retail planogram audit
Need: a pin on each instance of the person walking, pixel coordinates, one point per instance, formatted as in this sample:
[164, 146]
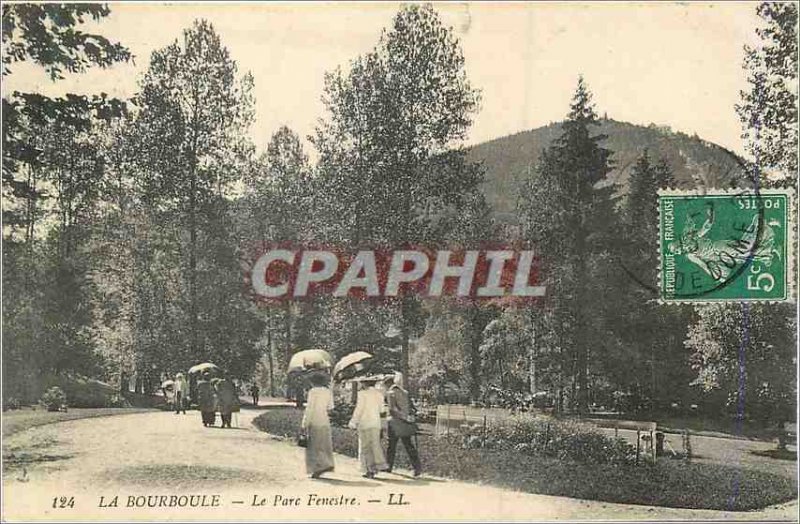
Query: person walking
[317, 427]
[227, 400]
[181, 388]
[254, 390]
[401, 422]
[300, 394]
[206, 400]
[367, 420]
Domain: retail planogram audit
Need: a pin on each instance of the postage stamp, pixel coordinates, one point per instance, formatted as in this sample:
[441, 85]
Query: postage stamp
[724, 246]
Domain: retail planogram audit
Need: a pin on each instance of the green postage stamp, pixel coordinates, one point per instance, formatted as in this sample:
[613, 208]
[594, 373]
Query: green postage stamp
[724, 246]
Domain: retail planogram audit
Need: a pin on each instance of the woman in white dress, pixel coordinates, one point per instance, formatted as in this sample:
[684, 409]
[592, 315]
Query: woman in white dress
[367, 419]
[317, 426]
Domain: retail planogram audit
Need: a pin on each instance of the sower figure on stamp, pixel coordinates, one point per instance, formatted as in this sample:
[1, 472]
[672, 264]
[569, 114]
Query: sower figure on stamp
[401, 424]
[719, 257]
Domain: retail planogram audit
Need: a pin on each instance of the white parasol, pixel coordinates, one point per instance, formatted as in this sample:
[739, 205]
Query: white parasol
[308, 360]
[350, 364]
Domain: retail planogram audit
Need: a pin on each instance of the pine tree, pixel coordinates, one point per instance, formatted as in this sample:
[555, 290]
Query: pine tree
[566, 212]
[645, 359]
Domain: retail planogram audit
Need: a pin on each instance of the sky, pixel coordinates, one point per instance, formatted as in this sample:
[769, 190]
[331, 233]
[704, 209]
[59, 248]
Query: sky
[673, 64]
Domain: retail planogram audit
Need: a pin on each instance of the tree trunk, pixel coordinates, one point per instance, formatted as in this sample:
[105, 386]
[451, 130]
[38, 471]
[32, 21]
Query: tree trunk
[474, 353]
[582, 385]
[582, 331]
[31, 210]
[193, 263]
[532, 369]
[782, 436]
[404, 347]
[532, 355]
[287, 325]
[271, 361]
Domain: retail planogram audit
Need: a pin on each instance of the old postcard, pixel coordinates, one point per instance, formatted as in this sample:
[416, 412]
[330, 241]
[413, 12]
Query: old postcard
[477, 261]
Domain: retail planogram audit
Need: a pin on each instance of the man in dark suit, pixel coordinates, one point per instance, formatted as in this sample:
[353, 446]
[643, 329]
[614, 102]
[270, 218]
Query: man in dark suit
[401, 423]
[206, 399]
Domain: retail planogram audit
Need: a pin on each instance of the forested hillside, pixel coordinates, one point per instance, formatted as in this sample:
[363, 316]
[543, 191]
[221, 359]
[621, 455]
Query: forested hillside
[694, 162]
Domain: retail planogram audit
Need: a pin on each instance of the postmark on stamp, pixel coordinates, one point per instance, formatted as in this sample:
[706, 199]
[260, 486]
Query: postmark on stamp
[724, 246]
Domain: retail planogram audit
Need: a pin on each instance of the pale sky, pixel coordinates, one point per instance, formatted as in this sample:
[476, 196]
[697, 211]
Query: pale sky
[666, 63]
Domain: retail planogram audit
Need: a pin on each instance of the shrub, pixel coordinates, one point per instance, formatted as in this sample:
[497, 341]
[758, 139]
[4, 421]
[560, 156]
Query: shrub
[341, 414]
[668, 483]
[84, 392]
[117, 401]
[548, 438]
[11, 403]
[54, 399]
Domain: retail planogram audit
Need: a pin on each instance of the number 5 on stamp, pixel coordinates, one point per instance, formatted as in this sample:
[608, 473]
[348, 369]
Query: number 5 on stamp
[724, 246]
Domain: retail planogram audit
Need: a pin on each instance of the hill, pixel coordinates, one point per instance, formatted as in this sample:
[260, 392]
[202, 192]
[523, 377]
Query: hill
[694, 161]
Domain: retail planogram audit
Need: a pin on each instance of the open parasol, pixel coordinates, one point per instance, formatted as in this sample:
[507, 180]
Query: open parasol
[351, 364]
[205, 366]
[168, 384]
[309, 360]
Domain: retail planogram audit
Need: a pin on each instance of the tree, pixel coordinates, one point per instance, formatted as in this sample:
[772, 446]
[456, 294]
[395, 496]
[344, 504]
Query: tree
[194, 110]
[748, 354]
[46, 34]
[768, 111]
[278, 205]
[389, 149]
[439, 361]
[644, 357]
[564, 209]
[52, 165]
[505, 352]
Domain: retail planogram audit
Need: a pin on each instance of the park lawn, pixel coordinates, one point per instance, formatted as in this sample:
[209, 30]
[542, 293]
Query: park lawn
[18, 420]
[669, 483]
[716, 427]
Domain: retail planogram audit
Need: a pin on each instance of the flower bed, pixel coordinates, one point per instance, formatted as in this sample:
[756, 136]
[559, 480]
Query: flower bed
[668, 483]
[549, 438]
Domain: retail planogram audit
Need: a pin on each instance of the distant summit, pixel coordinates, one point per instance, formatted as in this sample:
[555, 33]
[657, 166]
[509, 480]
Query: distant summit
[694, 161]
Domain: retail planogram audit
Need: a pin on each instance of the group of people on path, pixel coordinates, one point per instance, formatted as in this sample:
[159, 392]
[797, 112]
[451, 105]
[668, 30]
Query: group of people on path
[211, 395]
[218, 394]
[368, 416]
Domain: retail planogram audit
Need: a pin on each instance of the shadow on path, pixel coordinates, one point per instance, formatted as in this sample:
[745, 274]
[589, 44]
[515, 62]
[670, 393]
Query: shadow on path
[409, 480]
[166, 474]
[342, 482]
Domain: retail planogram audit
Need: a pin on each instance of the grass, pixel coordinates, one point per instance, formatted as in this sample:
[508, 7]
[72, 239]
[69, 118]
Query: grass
[18, 420]
[39, 449]
[778, 454]
[667, 483]
[702, 425]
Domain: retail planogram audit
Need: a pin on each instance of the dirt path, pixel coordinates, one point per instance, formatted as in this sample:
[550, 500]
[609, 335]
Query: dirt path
[164, 456]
